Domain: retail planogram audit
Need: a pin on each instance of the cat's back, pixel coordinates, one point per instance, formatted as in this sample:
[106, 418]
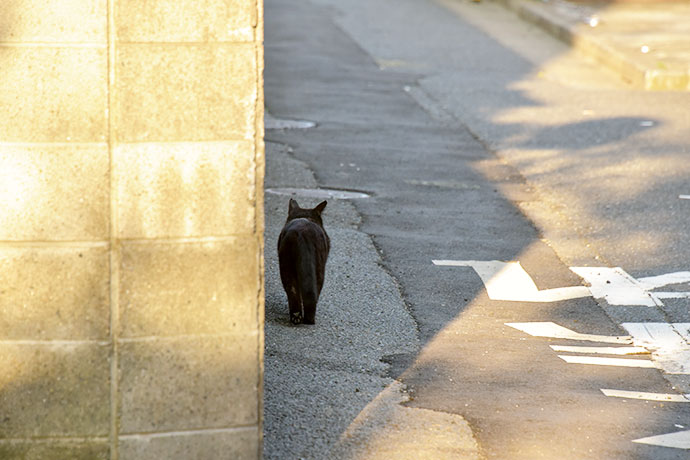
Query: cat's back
[302, 230]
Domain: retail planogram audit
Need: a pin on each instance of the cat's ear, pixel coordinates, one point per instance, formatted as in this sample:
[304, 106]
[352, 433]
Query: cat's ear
[320, 207]
[293, 206]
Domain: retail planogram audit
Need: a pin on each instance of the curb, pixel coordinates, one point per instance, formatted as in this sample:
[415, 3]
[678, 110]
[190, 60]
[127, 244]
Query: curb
[388, 428]
[636, 73]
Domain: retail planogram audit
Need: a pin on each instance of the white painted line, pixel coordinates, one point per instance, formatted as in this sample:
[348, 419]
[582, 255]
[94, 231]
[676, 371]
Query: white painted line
[663, 397]
[684, 197]
[555, 331]
[616, 286]
[601, 350]
[684, 330]
[672, 295]
[653, 282]
[655, 336]
[509, 281]
[668, 343]
[678, 440]
[175, 434]
[598, 361]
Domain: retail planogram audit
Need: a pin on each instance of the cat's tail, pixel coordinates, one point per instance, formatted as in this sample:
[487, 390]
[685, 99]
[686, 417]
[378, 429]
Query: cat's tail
[308, 287]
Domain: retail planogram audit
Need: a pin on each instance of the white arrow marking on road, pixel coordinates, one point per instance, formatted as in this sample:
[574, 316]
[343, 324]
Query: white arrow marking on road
[599, 361]
[509, 281]
[555, 331]
[654, 282]
[663, 397]
[601, 350]
[616, 287]
[678, 440]
[619, 288]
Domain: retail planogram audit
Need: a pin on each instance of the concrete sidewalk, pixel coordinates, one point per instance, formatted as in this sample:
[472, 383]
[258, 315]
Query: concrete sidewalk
[647, 44]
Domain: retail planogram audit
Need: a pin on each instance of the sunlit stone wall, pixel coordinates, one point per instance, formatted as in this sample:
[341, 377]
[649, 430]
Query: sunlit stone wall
[131, 168]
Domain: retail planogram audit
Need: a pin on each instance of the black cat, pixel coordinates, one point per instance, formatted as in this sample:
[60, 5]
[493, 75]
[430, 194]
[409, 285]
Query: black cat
[303, 247]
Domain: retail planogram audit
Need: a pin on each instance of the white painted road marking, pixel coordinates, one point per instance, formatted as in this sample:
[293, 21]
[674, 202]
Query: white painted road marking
[555, 331]
[668, 343]
[672, 295]
[678, 440]
[601, 350]
[684, 197]
[657, 336]
[509, 281]
[615, 286]
[663, 397]
[654, 282]
[599, 361]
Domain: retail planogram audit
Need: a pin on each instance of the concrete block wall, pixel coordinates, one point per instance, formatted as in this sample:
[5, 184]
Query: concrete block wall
[131, 207]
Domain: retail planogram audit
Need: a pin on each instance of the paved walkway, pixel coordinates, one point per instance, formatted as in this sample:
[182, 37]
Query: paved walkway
[647, 44]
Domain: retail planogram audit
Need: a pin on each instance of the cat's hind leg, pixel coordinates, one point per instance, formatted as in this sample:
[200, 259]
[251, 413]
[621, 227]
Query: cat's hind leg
[309, 300]
[294, 305]
[291, 286]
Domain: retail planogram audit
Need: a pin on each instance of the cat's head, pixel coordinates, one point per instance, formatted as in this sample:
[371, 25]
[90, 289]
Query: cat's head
[295, 212]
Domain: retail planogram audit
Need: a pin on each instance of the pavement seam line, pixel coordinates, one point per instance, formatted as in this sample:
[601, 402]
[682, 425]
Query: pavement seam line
[169, 434]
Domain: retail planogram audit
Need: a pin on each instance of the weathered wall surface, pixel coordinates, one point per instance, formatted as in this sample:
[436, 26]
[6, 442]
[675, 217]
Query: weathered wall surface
[131, 220]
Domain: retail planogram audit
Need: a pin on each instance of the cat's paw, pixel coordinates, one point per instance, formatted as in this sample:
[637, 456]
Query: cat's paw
[308, 320]
[296, 317]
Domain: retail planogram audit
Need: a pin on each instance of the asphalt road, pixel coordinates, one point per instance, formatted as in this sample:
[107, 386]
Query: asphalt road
[479, 139]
